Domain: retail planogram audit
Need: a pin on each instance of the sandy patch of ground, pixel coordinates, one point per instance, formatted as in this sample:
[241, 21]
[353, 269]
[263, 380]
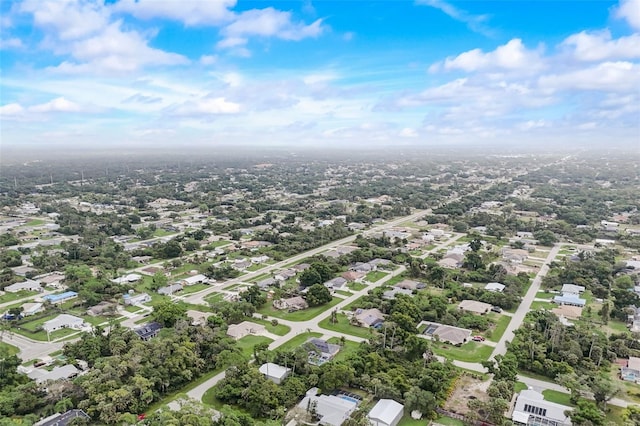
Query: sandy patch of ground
[466, 389]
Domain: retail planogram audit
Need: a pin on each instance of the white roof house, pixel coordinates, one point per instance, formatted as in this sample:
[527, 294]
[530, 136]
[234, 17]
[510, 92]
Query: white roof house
[63, 321]
[195, 279]
[129, 278]
[274, 372]
[531, 408]
[495, 287]
[245, 328]
[572, 289]
[386, 412]
[331, 409]
[58, 373]
[31, 308]
[28, 285]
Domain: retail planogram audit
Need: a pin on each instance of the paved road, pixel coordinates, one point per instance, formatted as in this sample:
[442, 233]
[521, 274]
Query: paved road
[31, 349]
[525, 305]
[298, 327]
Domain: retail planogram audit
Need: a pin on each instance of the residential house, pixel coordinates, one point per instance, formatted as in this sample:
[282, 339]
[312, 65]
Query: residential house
[54, 279]
[444, 333]
[296, 303]
[63, 321]
[241, 265]
[102, 308]
[259, 259]
[41, 375]
[361, 267]
[572, 289]
[386, 412]
[63, 419]
[28, 285]
[325, 349]
[170, 289]
[274, 372]
[29, 309]
[127, 279]
[352, 276]
[449, 263]
[474, 306]
[148, 331]
[267, 282]
[61, 297]
[285, 274]
[391, 294]
[336, 283]
[380, 263]
[245, 328]
[494, 287]
[532, 409]
[569, 299]
[410, 285]
[194, 279]
[22, 271]
[301, 267]
[369, 317]
[136, 299]
[330, 409]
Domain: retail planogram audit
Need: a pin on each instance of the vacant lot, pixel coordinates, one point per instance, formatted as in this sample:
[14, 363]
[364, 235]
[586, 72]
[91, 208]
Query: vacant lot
[466, 389]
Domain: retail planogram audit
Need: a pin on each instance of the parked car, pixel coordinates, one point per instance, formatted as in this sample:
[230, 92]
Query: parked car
[477, 339]
[497, 309]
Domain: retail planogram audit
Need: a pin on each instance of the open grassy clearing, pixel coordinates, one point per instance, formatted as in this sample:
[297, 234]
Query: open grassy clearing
[10, 349]
[343, 326]
[194, 288]
[247, 343]
[469, 352]
[557, 397]
[356, 286]
[374, 276]
[298, 340]
[10, 297]
[349, 348]
[279, 329]
[501, 324]
[303, 315]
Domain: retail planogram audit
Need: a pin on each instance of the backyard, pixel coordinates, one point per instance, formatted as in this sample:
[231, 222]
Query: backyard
[343, 326]
[301, 315]
[469, 352]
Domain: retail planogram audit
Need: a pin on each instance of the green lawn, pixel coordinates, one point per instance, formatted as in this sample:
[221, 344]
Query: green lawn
[216, 244]
[12, 350]
[395, 280]
[500, 326]
[214, 297]
[303, 315]
[557, 397]
[132, 309]
[279, 329]
[469, 352]
[298, 340]
[349, 348]
[406, 420]
[247, 343]
[535, 305]
[255, 267]
[194, 288]
[35, 222]
[10, 297]
[356, 286]
[545, 295]
[374, 276]
[520, 387]
[343, 293]
[343, 326]
[448, 421]
[353, 305]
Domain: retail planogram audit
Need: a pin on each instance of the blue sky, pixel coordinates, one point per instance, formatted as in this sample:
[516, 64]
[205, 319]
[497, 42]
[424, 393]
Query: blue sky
[322, 73]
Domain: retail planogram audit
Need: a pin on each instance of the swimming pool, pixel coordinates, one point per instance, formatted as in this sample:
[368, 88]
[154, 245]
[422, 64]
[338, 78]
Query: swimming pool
[348, 398]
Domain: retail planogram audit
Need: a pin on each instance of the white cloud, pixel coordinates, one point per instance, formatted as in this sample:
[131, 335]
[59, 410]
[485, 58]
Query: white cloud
[10, 43]
[11, 109]
[56, 105]
[629, 10]
[71, 19]
[597, 46]
[267, 22]
[189, 12]
[608, 76]
[476, 23]
[511, 56]
[408, 132]
[115, 50]
[208, 59]
[205, 106]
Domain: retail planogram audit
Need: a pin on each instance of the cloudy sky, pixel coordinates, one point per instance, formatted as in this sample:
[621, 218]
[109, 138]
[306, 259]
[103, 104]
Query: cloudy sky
[328, 73]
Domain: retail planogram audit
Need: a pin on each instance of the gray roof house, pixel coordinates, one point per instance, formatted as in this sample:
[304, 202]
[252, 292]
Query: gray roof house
[532, 409]
[336, 283]
[274, 372]
[369, 317]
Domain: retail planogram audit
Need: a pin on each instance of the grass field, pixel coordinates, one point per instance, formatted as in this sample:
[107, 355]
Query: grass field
[194, 288]
[545, 295]
[374, 276]
[343, 326]
[535, 305]
[11, 350]
[10, 297]
[349, 348]
[469, 352]
[557, 397]
[395, 280]
[214, 297]
[247, 343]
[520, 387]
[356, 286]
[303, 315]
[298, 340]
[501, 324]
[279, 329]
